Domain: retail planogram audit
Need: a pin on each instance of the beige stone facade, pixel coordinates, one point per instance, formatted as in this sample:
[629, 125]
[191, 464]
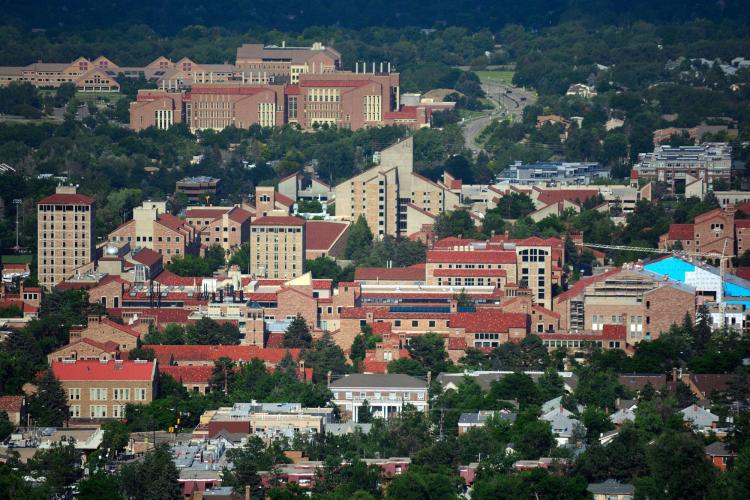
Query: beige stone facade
[277, 247]
[153, 227]
[382, 194]
[645, 305]
[65, 234]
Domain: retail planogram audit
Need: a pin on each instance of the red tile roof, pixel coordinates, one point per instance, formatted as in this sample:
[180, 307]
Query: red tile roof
[67, 199]
[456, 344]
[404, 112]
[15, 266]
[381, 328]
[175, 353]
[97, 370]
[333, 83]
[170, 221]
[322, 235]
[188, 374]
[167, 277]
[742, 223]
[390, 273]
[372, 366]
[205, 213]
[228, 90]
[164, 315]
[449, 273]
[680, 232]
[291, 90]
[716, 212]
[488, 320]
[543, 310]
[743, 272]
[278, 220]
[239, 215]
[284, 199]
[550, 196]
[11, 404]
[583, 283]
[472, 256]
[275, 340]
[147, 257]
[453, 241]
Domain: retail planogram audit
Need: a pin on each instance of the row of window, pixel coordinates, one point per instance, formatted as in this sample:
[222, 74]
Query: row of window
[377, 395]
[101, 394]
[98, 411]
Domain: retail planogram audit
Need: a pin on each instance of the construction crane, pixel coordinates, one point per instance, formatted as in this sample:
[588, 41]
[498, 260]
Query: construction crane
[723, 258]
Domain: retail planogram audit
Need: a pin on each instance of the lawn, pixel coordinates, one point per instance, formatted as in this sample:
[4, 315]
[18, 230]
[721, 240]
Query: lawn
[468, 114]
[497, 76]
[16, 259]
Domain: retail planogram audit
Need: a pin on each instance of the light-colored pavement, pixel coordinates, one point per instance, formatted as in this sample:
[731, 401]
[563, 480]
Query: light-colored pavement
[507, 101]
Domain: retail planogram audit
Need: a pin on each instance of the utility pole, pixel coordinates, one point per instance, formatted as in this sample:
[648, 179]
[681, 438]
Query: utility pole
[17, 202]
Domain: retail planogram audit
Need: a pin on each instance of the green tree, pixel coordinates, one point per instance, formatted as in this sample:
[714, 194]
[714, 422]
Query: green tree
[287, 365]
[48, 406]
[455, 223]
[679, 468]
[422, 485]
[116, 437]
[359, 244]
[297, 334]
[407, 366]
[223, 375]
[325, 356]
[255, 456]
[514, 206]
[5, 426]
[99, 485]
[155, 478]
[60, 465]
[429, 351]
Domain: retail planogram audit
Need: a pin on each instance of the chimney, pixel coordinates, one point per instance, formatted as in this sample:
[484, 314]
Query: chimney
[674, 374]
[248, 496]
[328, 377]
[429, 379]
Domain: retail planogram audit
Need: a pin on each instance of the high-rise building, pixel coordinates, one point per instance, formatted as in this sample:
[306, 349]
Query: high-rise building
[65, 229]
[391, 197]
[277, 247]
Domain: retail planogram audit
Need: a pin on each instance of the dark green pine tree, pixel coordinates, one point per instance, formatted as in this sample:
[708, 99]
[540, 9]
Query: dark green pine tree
[287, 365]
[359, 244]
[298, 334]
[223, 375]
[156, 478]
[48, 407]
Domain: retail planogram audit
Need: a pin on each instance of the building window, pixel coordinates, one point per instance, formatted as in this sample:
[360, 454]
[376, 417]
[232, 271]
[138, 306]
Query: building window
[140, 394]
[121, 394]
[75, 411]
[74, 394]
[118, 411]
[98, 394]
[98, 411]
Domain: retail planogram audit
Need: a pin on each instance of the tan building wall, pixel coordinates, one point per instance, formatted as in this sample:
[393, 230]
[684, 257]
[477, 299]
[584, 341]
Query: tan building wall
[277, 247]
[105, 330]
[136, 392]
[65, 234]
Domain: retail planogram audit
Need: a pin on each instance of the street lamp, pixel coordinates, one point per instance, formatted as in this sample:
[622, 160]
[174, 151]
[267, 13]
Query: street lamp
[17, 202]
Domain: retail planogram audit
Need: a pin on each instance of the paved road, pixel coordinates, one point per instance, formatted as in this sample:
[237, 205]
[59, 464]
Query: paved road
[507, 100]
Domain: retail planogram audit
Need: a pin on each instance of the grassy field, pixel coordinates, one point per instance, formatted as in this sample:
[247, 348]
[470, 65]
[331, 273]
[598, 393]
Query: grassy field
[99, 96]
[497, 76]
[16, 259]
[468, 114]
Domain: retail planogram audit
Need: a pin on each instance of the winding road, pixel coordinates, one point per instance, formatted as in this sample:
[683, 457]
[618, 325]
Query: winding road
[507, 100]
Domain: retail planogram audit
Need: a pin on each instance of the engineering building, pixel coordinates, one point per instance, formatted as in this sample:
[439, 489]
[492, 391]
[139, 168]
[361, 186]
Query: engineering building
[277, 247]
[643, 302]
[65, 232]
[708, 162]
[393, 199]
